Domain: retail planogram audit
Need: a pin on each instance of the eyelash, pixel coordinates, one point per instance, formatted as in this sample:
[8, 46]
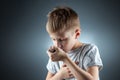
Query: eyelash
[60, 39]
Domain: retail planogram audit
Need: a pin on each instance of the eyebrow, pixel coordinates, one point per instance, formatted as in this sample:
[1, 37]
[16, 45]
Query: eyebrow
[59, 38]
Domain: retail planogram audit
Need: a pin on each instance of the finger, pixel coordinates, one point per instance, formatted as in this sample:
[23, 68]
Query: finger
[71, 75]
[52, 59]
[52, 49]
[56, 48]
[48, 53]
[69, 71]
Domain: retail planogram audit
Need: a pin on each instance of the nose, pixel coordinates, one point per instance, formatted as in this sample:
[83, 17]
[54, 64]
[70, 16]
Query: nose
[59, 44]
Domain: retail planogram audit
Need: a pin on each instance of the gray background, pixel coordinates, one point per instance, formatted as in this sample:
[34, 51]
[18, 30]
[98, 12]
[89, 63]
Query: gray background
[24, 40]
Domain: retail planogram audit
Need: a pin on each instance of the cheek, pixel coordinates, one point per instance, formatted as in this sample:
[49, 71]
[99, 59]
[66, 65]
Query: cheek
[69, 45]
[72, 43]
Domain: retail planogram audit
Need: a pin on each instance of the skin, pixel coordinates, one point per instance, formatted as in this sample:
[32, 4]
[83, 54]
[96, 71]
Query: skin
[63, 43]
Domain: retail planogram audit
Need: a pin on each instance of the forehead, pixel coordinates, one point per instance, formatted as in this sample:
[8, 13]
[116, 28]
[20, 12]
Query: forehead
[60, 34]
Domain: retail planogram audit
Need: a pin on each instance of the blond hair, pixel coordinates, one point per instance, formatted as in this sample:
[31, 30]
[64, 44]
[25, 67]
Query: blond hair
[62, 19]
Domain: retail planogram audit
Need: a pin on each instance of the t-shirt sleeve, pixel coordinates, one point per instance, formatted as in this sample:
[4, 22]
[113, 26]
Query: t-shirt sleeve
[51, 67]
[93, 58]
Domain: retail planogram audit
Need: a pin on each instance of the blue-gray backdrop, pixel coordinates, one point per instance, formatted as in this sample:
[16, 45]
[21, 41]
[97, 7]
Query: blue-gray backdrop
[24, 40]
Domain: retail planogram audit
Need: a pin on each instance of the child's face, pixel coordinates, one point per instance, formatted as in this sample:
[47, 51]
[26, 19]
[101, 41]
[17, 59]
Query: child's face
[63, 40]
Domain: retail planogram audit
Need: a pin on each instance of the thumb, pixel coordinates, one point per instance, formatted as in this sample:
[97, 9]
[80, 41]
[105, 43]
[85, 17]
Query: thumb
[48, 53]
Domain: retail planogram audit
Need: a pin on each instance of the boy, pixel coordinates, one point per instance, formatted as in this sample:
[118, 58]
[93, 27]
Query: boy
[70, 59]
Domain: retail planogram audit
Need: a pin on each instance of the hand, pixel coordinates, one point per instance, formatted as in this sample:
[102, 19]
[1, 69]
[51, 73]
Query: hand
[56, 54]
[65, 72]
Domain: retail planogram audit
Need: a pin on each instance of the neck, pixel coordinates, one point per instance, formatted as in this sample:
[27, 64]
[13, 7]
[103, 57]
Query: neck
[77, 45]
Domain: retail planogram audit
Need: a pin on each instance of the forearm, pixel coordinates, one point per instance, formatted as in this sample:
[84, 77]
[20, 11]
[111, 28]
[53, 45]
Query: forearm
[57, 76]
[78, 73]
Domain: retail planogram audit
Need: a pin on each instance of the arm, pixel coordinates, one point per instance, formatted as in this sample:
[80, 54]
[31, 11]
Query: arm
[51, 76]
[91, 73]
[63, 73]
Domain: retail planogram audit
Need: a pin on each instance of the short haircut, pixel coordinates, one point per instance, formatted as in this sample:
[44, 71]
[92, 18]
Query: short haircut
[62, 19]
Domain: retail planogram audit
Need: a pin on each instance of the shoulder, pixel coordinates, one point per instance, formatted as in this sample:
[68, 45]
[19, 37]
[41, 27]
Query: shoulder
[90, 48]
[92, 56]
[89, 45]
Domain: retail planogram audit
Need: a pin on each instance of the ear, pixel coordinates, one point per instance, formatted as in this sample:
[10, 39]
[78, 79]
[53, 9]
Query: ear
[77, 33]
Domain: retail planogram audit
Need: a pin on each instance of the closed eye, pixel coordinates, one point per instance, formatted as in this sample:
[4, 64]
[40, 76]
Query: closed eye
[63, 39]
[60, 40]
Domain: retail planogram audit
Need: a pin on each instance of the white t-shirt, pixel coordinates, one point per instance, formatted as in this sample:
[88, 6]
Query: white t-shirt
[87, 55]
